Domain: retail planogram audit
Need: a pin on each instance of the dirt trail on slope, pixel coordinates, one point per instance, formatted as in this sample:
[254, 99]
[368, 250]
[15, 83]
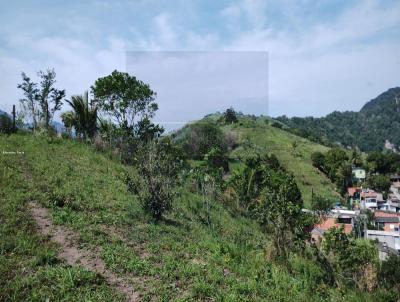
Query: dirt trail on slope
[75, 256]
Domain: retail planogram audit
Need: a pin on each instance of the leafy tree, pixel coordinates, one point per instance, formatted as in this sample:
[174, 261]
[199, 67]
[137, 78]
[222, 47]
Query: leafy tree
[334, 158]
[125, 99]
[199, 138]
[217, 159]
[355, 262]
[29, 103]
[68, 119]
[280, 212]
[157, 176]
[145, 130]
[318, 160]
[320, 204]
[356, 158]
[49, 98]
[389, 274]
[230, 116]
[84, 116]
[379, 183]
[344, 177]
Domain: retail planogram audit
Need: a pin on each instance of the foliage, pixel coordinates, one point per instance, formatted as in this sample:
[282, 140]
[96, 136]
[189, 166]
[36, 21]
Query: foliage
[383, 162]
[389, 274]
[41, 100]
[320, 204]
[6, 124]
[318, 160]
[216, 159]
[156, 179]
[29, 103]
[367, 129]
[355, 262]
[380, 183]
[68, 119]
[125, 99]
[279, 210]
[199, 138]
[230, 116]
[84, 116]
[180, 258]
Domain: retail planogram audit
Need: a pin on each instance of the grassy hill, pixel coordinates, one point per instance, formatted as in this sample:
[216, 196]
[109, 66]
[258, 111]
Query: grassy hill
[183, 258]
[293, 152]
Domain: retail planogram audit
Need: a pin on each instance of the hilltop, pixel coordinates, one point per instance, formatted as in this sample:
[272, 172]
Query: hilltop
[259, 135]
[375, 127]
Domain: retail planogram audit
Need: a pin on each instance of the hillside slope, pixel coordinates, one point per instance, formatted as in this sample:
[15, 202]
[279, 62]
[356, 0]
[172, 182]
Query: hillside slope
[293, 152]
[368, 129]
[197, 252]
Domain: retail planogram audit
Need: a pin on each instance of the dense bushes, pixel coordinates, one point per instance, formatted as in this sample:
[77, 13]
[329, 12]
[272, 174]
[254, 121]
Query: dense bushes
[158, 169]
[6, 124]
[199, 138]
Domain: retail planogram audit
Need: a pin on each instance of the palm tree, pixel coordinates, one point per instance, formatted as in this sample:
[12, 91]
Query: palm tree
[85, 116]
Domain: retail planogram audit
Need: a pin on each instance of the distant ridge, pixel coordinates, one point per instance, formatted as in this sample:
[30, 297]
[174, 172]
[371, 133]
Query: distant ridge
[372, 128]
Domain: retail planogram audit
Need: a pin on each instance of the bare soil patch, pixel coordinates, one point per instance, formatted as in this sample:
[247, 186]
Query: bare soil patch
[74, 255]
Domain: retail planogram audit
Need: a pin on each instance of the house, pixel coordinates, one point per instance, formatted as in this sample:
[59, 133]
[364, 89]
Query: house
[358, 174]
[391, 205]
[369, 199]
[336, 219]
[388, 240]
[388, 224]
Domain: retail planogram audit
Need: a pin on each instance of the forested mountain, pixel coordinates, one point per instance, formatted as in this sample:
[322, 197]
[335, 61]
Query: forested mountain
[374, 127]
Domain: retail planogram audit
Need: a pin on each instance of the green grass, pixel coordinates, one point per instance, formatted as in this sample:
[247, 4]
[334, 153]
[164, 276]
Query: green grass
[196, 253]
[261, 137]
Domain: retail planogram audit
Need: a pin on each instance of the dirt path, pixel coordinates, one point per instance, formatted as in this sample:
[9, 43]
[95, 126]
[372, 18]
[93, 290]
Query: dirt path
[76, 256]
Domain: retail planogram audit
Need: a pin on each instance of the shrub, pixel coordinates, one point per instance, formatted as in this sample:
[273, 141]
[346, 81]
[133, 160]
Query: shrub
[199, 138]
[6, 125]
[157, 176]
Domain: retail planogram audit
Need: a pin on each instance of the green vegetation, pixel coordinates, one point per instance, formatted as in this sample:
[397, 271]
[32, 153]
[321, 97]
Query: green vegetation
[180, 258]
[367, 129]
[213, 212]
[292, 152]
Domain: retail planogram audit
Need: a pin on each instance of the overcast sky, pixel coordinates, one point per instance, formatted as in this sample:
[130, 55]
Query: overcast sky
[264, 57]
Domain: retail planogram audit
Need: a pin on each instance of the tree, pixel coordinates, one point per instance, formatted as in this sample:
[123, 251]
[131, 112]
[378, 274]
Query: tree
[68, 119]
[280, 211]
[355, 262]
[389, 274]
[125, 99]
[380, 183]
[318, 160]
[344, 177]
[29, 103]
[199, 138]
[49, 98]
[84, 116]
[320, 204]
[158, 169]
[230, 116]
[217, 159]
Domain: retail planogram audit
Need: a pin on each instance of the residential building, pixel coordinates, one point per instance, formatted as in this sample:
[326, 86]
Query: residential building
[358, 174]
[387, 240]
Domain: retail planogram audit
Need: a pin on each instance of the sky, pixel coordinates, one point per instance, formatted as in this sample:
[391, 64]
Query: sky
[275, 57]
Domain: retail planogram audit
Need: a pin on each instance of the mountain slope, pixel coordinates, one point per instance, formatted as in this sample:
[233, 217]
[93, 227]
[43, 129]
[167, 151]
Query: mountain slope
[293, 152]
[377, 122]
[183, 258]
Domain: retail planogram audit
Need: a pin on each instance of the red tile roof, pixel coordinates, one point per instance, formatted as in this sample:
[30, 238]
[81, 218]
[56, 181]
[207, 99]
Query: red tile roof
[330, 222]
[378, 213]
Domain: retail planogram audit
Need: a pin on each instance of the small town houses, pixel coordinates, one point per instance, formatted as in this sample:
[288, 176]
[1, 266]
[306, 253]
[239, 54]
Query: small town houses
[368, 215]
